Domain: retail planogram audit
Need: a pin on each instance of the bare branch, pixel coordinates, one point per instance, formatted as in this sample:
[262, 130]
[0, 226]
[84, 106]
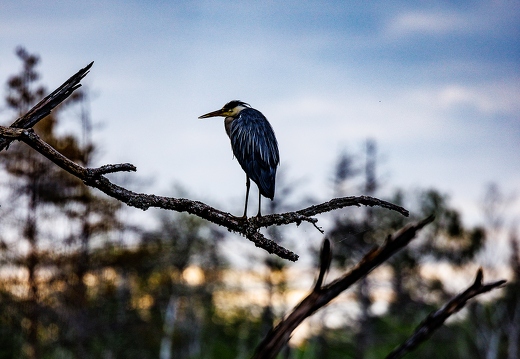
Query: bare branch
[248, 227]
[342, 202]
[9, 132]
[436, 319]
[322, 295]
[325, 259]
[305, 215]
[94, 177]
[122, 167]
[45, 106]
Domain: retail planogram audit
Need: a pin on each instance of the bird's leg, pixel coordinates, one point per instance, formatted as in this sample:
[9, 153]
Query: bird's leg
[259, 203]
[248, 184]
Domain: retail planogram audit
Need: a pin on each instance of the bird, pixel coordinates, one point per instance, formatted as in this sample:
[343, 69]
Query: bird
[254, 146]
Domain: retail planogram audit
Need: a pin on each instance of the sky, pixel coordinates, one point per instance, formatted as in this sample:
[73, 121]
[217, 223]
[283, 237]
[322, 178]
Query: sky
[436, 84]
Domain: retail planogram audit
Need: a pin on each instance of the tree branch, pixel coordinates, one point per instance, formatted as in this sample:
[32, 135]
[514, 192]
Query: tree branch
[94, 177]
[322, 295]
[248, 227]
[334, 204]
[45, 106]
[436, 319]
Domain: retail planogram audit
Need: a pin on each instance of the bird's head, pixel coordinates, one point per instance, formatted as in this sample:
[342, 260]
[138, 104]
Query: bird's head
[230, 109]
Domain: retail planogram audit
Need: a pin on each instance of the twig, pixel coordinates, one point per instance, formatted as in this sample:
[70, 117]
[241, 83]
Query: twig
[322, 295]
[325, 259]
[122, 167]
[436, 319]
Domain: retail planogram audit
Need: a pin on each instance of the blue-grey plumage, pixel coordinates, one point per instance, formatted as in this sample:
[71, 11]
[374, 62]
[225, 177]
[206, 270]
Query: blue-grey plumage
[256, 149]
[254, 145]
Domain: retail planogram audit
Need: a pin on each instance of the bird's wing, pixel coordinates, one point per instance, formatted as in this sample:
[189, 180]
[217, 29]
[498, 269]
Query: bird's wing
[256, 149]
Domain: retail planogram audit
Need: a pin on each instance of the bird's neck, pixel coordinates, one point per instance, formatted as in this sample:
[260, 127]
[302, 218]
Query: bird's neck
[227, 124]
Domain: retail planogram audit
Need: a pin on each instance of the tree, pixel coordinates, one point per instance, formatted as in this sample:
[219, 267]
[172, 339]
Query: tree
[45, 196]
[495, 327]
[35, 186]
[183, 242]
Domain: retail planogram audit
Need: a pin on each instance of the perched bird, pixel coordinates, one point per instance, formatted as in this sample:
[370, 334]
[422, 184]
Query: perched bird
[254, 146]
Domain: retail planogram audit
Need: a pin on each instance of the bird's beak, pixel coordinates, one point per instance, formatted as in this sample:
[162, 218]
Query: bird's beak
[213, 114]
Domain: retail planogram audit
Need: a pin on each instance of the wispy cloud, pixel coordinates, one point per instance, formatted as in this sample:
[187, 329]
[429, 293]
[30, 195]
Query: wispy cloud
[425, 23]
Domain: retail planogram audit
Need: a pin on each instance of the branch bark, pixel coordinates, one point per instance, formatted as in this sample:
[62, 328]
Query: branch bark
[94, 177]
[436, 319]
[49, 103]
[321, 295]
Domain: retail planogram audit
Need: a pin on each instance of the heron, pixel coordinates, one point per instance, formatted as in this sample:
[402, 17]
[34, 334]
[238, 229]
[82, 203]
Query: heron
[254, 145]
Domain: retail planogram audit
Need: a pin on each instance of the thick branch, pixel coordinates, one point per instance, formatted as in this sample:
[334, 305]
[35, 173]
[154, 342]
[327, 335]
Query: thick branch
[94, 178]
[322, 295]
[436, 319]
[45, 106]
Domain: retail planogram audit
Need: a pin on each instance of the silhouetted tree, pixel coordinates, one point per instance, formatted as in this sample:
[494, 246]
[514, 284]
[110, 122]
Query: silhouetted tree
[44, 198]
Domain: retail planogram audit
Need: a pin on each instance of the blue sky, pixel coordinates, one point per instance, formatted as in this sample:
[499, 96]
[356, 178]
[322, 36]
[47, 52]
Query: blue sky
[436, 84]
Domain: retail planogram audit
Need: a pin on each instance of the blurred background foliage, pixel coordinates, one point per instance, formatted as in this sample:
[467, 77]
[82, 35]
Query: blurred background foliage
[80, 279]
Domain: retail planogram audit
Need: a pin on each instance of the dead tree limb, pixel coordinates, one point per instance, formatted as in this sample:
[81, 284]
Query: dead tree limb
[249, 227]
[49, 103]
[321, 295]
[94, 177]
[436, 319]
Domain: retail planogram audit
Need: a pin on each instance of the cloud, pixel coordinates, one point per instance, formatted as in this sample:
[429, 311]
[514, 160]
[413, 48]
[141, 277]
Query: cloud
[426, 23]
[487, 18]
[491, 98]
[488, 98]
